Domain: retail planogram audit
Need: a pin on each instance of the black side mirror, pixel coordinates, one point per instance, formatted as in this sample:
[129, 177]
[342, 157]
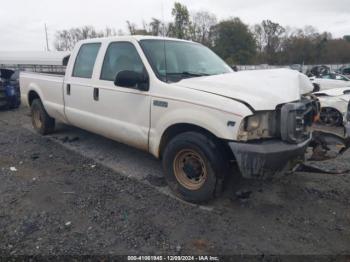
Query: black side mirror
[132, 79]
[234, 68]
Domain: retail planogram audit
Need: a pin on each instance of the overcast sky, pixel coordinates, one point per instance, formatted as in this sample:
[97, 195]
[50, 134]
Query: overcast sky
[22, 21]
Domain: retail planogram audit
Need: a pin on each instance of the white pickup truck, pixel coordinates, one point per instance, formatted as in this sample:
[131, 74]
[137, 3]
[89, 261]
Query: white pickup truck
[180, 102]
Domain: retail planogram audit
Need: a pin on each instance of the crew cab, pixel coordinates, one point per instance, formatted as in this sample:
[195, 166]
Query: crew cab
[180, 102]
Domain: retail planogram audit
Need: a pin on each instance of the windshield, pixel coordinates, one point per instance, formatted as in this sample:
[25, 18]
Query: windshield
[174, 60]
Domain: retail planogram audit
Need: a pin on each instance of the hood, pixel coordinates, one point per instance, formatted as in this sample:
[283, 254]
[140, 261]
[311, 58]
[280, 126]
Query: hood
[261, 89]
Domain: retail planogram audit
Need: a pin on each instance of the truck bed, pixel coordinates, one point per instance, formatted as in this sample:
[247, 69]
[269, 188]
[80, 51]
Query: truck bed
[50, 89]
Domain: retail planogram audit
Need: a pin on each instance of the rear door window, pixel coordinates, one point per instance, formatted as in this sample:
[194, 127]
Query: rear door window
[85, 61]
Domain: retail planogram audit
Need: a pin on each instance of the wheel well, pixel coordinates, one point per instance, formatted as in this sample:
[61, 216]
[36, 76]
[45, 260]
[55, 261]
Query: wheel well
[31, 96]
[177, 129]
[333, 108]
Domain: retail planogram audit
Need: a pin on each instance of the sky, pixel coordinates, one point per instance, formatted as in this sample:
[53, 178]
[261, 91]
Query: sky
[22, 21]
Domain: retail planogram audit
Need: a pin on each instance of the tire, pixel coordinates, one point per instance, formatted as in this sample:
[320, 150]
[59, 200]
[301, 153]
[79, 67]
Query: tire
[194, 166]
[42, 122]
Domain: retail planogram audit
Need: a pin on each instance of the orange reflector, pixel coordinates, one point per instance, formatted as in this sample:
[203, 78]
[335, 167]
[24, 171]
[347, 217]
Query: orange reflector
[317, 118]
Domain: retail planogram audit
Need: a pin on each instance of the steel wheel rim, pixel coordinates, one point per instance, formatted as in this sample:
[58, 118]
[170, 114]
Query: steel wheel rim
[190, 170]
[37, 119]
[330, 116]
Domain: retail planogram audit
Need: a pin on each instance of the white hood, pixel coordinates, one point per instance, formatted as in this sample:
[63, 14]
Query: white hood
[261, 89]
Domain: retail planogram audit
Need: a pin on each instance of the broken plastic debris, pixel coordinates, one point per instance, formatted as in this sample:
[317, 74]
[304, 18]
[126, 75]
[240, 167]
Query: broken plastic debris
[178, 248]
[67, 224]
[243, 194]
[13, 169]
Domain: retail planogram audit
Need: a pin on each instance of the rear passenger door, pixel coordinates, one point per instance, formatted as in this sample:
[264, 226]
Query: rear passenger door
[78, 87]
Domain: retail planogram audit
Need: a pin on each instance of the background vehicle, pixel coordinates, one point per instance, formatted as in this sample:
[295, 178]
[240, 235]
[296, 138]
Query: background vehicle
[318, 71]
[330, 81]
[9, 89]
[334, 106]
[344, 70]
[183, 104]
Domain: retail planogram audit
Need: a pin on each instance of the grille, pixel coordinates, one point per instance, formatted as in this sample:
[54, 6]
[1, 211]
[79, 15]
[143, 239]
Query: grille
[296, 120]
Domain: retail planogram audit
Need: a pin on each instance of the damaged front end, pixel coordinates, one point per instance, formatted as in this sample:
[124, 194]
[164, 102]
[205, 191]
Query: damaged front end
[285, 134]
[278, 141]
[327, 144]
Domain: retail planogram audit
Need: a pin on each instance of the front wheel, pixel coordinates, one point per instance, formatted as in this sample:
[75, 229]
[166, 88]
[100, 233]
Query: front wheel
[42, 122]
[194, 167]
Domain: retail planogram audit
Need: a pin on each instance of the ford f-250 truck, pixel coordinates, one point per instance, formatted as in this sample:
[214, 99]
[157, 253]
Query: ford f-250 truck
[179, 101]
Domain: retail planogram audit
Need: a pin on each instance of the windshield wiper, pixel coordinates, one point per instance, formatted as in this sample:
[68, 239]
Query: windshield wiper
[187, 74]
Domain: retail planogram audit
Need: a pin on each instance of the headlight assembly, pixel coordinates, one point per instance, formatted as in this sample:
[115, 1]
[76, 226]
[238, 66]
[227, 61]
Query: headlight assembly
[259, 125]
[253, 122]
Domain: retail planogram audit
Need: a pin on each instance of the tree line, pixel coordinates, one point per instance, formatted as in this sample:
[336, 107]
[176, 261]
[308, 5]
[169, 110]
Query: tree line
[236, 42]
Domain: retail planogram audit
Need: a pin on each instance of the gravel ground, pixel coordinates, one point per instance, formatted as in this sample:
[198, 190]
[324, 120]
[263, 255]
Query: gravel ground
[58, 200]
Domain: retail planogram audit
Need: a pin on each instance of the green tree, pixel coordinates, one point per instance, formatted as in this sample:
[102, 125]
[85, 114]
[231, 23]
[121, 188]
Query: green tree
[234, 42]
[180, 28]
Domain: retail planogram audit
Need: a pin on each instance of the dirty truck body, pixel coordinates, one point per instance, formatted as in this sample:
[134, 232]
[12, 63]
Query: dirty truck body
[180, 102]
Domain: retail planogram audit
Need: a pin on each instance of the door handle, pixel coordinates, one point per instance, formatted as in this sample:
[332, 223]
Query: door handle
[96, 94]
[68, 89]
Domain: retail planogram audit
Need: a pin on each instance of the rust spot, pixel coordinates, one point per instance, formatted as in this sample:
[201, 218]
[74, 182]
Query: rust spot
[201, 244]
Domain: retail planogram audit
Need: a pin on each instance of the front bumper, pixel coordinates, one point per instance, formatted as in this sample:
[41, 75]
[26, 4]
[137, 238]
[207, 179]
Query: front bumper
[267, 158]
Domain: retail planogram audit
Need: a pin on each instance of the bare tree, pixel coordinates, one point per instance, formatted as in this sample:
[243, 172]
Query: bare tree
[258, 32]
[202, 23]
[66, 39]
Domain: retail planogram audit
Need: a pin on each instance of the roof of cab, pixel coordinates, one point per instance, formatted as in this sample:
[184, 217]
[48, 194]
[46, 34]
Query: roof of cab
[131, 37]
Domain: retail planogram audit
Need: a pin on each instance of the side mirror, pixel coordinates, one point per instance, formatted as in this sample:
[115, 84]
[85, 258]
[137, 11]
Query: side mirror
[132, 79]
[234, 68]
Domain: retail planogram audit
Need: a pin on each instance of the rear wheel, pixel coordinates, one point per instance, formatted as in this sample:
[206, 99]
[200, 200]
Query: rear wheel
[194, 167]
[331, 117]
[42, 122]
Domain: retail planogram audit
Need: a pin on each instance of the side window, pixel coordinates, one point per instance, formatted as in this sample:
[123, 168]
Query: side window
[85, 61]
[120, 56]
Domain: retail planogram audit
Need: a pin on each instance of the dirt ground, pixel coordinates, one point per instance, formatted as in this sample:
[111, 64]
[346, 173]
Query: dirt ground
[56, 198]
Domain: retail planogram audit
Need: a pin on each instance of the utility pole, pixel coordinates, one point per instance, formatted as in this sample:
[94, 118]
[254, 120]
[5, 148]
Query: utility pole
[47, 39]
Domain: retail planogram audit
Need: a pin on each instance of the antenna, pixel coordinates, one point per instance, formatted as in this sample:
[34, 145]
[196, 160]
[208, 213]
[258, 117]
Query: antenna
[47, 39]
[163, 18]
[164, 44]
